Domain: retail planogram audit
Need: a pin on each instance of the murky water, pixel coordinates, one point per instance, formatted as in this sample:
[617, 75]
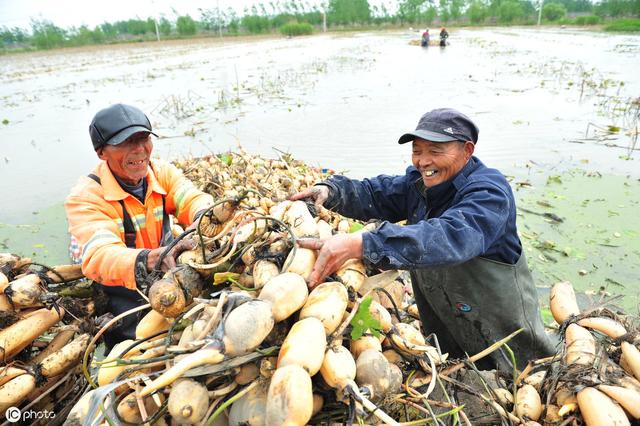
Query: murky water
[338, 101]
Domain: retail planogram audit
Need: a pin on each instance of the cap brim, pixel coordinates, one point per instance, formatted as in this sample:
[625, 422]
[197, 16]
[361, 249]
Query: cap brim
[426, 135]
[126, 133]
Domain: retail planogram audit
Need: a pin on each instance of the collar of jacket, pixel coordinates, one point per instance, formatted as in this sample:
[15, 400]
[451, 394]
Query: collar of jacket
[457, 182]
[112, 189]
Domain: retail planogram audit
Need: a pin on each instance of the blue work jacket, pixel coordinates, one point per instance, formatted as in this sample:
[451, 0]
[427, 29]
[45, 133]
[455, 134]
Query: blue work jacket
[473, 214]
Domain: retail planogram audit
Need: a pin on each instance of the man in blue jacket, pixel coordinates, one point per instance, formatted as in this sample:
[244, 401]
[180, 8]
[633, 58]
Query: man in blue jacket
[468, 269]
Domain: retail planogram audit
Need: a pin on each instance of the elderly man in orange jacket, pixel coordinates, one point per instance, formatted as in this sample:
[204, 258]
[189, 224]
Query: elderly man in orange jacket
[119, 213]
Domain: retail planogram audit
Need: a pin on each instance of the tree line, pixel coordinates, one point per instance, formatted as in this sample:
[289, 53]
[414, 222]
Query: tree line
[293, 17]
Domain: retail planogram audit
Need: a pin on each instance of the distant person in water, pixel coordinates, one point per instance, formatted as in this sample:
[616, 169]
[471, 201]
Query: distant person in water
[424, 42]
[444, 35]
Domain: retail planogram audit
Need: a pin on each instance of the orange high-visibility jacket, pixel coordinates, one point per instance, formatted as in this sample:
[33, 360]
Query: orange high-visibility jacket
[95, 218]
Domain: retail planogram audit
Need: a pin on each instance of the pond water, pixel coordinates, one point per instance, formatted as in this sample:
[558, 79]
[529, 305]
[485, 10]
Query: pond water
[338, 101]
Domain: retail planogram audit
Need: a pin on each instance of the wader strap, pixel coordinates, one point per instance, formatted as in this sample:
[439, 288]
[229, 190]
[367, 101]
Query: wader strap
[167, 236]
[129, 229]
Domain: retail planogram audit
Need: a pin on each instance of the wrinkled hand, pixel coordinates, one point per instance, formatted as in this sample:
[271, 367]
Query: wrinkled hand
[169, 260]
[318, 193]
[334, 251]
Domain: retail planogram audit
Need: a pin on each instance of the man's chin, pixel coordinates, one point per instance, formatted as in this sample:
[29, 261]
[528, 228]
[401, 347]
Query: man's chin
[431, 181]
[135, 178]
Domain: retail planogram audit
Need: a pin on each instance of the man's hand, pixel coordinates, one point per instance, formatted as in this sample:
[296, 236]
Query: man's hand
[318, 193]
[169, 260]
[334, 251]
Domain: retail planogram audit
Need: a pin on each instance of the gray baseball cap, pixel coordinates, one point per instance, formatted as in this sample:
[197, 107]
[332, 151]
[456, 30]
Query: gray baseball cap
[113, 125]
[443, 125]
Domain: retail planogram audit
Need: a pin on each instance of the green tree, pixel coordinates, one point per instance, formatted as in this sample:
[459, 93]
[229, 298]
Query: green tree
[134, 27]
[384, 15]
[576, 5]
[164, 26]
[6, 35]
[212, 19]
[529, 9]
[343, 12]
[151, 25]
[509, 11]
[443, 11]
[84, 35]
[231, 21]
[255, 24]
[430, 14]
[12, 36]
[19, 35]
[281, 19]
[553, 11]
[314, 17]
[455, 8]
[618, 8]
[109, 30]
[493, 7]
[46, 35]
[477, 12]
[185, 25]
[411, 11]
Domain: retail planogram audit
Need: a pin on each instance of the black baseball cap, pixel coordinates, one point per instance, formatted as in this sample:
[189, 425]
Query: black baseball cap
[443, 125]
[113, 125]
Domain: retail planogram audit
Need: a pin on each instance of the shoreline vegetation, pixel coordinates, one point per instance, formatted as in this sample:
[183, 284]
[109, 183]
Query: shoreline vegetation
[295, 18]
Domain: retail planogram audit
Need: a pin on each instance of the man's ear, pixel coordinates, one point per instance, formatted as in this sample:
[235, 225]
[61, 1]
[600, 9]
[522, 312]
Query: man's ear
[100, 152]
[469, 147]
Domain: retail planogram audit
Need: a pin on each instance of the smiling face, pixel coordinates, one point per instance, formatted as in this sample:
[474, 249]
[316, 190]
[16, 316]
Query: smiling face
[129, 160]
[440, 161]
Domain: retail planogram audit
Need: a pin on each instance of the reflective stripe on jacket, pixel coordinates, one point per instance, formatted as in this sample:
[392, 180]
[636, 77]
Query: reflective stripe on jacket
[95, 218]
[471, 215]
